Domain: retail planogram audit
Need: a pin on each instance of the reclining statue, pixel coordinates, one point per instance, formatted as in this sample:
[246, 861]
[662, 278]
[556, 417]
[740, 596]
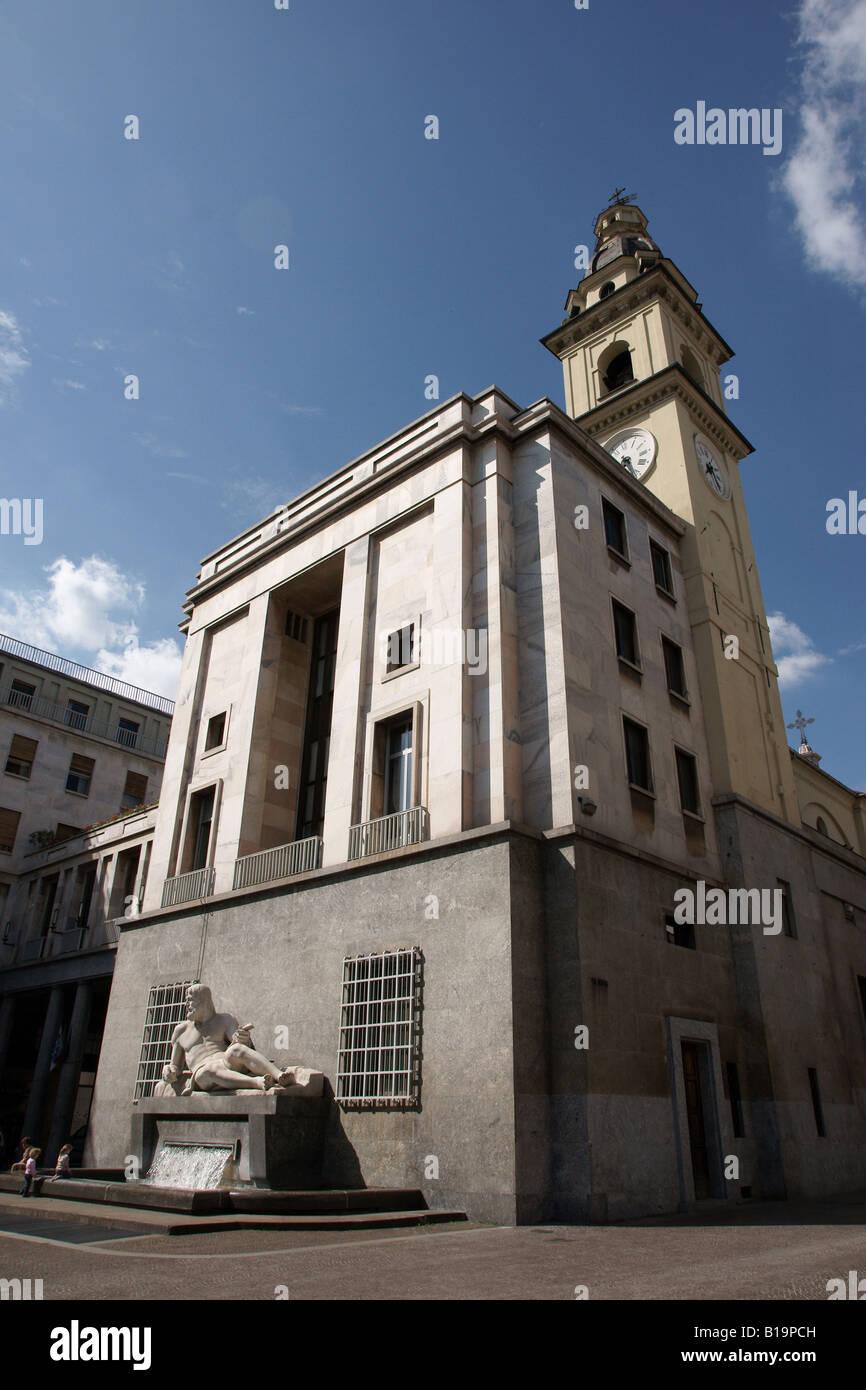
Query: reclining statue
[218, 1054]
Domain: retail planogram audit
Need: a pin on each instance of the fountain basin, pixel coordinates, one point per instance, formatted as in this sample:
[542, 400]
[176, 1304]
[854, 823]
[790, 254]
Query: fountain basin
[277, 1139]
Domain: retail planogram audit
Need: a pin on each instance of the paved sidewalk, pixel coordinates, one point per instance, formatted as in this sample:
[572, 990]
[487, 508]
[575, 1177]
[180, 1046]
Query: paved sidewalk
[773, 1251]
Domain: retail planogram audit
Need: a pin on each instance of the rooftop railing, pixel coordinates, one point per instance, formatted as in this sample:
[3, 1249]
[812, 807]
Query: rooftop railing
[386, 833]
[268, 864]
[84, 724]
[77, 672]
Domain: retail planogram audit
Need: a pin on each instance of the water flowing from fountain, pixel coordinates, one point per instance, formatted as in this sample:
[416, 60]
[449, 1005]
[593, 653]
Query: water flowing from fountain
[196, 1166]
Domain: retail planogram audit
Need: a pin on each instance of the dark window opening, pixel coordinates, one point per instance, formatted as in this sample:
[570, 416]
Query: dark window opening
[687, 776]
[296, 627]
[21, 694]
[401, 648]
[625, 632]
[817, 1107]
[674, 668]
[614, 529]
[216, 732]
[662, 569]
[76, 714]
[619, 371]
[680, 933]
[127, 732]
[21, 756]
[607, 289]
[202, 808]
[134, 791]
[320, 699]
[788, 920]
[637, 755]
[80, 775]
[736, 1100]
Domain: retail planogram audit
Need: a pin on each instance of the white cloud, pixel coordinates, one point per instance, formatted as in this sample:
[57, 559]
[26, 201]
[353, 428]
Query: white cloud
[154, 666]
[85, 612]
[244, 312]
[97, 344]
[14, 357]
[824, 175]
[69, 385]
[158, 449]
[255, 493]
[796, 655]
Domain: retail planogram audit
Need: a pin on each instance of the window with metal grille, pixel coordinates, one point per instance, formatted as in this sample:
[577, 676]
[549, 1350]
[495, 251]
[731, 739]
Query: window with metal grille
[166, 1008]
[21, 755]
[379, 1053]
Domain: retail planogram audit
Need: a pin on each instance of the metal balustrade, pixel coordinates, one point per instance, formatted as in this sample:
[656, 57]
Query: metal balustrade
[100, 728]
[185, 888]
[268, 864]
[84, 673]
[388, 832]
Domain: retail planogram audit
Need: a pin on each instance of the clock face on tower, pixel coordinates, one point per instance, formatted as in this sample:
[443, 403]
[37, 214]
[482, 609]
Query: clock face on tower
[635, 449]
[715, 473]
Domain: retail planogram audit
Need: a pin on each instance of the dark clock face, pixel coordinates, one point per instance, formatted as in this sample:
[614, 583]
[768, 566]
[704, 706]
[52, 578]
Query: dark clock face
[713, 469]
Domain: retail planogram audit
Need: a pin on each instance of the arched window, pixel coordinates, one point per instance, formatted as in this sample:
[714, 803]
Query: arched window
[692, 367]
[821, 826]
[615, 367]
[607, 288]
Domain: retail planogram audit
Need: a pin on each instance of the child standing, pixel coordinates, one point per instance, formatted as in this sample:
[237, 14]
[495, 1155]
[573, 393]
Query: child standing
[29, 1171]
[61, 1167]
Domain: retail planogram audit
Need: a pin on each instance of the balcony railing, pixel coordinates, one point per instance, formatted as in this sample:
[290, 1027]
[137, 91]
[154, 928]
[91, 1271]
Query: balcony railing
[100, 728]
[85, 674]
[296, 858]
[185, 888]
[388, 832]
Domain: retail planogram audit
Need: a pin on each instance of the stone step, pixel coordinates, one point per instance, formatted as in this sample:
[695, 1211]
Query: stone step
[159, 1222]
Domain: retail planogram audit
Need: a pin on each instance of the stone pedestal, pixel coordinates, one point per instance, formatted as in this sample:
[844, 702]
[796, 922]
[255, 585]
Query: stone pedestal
[277, 1137]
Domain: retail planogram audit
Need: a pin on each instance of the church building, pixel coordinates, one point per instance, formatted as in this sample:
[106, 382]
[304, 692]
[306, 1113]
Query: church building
[460, 730]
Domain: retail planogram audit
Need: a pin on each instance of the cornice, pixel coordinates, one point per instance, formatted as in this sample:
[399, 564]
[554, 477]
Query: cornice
[670, 382]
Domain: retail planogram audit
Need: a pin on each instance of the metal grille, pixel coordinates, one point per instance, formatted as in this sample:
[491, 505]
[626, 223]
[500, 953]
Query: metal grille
[379, 1057]
[166, 1007]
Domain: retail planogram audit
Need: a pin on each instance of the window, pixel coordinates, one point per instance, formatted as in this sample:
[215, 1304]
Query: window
[614, 529]
[401, 649]
[398, 765]
[607, 289]
[687, 776]
[8, 828]
[166, 1007]
[378, 1062]
[625, 631]
[861, 984]
[820, 825]
[76, 714]
[619, 371]
[65, 832]
[735, 1099]
[317, 738]
[662, 569]
[201, 820]
[680, 933]
[817, 1108]
[788, 920]
[692, 367]
[21, 694]
[21, 756]
[674, 669]
[637, 755]
[296, 627]
[216, 732]
[80, 774]
[127, 732]
[134, 791]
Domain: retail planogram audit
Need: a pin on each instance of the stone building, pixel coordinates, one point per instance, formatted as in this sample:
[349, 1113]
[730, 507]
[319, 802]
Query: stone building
[82, 759]
[456, 729]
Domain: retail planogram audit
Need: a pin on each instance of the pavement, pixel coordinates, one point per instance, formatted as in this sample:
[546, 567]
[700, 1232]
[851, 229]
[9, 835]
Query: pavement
[780, 1251]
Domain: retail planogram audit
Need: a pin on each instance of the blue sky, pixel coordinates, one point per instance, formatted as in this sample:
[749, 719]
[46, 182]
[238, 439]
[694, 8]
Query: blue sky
[408, 257]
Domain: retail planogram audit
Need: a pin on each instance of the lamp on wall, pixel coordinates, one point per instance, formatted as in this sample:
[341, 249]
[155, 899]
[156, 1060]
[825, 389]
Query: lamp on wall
[587, 805]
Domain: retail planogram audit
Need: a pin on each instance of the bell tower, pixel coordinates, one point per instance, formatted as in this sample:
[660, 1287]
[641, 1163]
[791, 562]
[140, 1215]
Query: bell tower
[641, 365]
